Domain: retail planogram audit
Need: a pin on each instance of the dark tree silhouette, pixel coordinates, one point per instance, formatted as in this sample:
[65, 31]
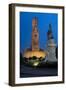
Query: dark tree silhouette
[34, 57]
[30, 58]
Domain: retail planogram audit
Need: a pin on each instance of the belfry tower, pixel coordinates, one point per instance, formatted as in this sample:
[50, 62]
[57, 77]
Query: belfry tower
[35, 49]
[51, 45]
[35, 35]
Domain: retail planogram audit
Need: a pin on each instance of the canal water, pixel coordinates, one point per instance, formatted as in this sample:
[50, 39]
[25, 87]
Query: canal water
[27, 71]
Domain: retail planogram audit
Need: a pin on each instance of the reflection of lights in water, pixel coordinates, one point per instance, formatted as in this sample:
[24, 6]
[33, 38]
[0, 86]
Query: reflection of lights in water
[36, 63]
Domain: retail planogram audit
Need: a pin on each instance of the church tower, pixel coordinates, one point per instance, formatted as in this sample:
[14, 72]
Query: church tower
[51, 46]
[35, 49]
[35, 35]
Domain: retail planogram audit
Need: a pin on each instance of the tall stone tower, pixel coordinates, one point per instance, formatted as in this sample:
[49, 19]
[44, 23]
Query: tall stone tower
[35, 49]
[35, 35]
[51, 46]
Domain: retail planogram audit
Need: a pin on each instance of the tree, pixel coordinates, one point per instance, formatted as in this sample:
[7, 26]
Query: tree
[30, 58]
[34, 57]
[40, 58]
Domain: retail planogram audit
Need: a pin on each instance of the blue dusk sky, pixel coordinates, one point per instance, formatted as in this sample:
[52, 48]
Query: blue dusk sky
[44, 19]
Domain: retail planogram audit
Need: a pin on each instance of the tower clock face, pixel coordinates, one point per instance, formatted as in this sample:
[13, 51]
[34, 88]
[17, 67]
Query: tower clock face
[35, 38]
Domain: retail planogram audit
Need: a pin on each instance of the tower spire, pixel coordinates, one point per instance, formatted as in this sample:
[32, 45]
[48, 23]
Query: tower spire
[49, 33]
[34, 22]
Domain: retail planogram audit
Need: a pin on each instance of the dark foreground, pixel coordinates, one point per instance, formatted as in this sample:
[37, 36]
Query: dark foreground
[28, 71]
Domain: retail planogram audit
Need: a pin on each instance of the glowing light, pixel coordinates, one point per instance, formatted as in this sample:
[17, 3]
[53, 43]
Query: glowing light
[36, 63]
[38, 54]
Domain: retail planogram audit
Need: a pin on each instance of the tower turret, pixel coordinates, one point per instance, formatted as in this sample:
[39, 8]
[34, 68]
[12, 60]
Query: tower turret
[49, 33]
